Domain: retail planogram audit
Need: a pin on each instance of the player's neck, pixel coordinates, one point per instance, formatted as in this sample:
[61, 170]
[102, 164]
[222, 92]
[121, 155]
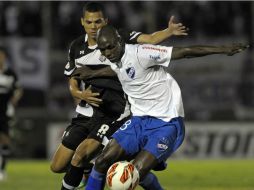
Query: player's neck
[91, 41]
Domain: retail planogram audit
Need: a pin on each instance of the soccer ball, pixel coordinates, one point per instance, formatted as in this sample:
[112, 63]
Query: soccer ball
[122, 175]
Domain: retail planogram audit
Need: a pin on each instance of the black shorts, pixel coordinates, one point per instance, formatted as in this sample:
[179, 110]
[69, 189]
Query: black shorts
[96, 127]
[4, 126]
[76, 132]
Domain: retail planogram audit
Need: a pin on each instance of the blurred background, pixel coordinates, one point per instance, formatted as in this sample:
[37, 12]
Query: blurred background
[218, 91]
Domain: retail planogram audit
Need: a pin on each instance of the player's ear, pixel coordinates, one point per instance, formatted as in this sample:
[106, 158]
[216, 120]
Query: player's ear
[121, 41]
[82, 21]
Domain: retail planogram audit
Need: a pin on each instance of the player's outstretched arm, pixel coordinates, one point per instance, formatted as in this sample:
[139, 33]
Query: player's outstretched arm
[173, 29]
[199, 51]
[85, 72]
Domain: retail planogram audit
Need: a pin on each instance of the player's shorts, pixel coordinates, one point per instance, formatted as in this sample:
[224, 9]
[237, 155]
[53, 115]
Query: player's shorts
[104, 128]
[156, 136]
[4, 126]
[76, 132]
[97, 127]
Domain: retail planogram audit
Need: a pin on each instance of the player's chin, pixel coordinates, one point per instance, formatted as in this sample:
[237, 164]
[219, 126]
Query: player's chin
[93, 35]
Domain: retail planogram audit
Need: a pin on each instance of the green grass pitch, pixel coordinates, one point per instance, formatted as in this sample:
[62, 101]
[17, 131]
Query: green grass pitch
[180, 175]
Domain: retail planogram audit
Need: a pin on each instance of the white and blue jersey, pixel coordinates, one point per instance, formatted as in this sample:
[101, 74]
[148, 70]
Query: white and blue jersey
[156, 103]
[151, 90]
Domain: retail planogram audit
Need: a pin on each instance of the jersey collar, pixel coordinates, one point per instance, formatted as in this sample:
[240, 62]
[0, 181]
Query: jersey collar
[90, 47]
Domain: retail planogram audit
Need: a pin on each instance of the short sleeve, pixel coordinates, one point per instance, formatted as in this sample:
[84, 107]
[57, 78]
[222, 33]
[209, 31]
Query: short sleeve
[130, 37]
[151, 55]
[70, 66]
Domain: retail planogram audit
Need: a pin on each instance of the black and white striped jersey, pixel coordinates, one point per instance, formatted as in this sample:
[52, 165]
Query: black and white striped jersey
[8, 84]
[79, 51]
[81, 54]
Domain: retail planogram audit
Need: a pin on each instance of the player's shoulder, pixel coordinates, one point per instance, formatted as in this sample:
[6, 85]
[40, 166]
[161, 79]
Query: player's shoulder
[125, 31]
[129, 36]
[131, 47]
[79, 47]
[77, 42]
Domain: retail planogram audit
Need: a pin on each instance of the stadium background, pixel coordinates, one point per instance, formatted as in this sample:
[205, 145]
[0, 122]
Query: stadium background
[218, 91]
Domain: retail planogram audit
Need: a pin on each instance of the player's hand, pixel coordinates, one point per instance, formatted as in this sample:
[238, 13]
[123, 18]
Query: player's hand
[91, 97]
[177, 29]
[236, 48]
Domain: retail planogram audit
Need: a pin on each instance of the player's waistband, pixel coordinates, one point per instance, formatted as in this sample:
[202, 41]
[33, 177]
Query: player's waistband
[86, 111]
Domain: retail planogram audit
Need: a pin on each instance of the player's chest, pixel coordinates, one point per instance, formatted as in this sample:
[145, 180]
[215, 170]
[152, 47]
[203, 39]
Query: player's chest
[131, 72]
[89, 57]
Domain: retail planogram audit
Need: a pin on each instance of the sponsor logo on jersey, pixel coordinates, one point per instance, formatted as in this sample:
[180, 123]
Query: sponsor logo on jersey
[155, 57]
[162, 144]
[130, 72]
[82, 52]
[102, 58]
[155, 48]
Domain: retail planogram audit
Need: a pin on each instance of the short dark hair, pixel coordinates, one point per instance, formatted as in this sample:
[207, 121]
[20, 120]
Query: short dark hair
[94, 7]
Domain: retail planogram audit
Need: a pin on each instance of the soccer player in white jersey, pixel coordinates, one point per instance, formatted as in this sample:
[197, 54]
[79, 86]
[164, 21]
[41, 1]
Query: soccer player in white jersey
[83, 137]
[156, 129]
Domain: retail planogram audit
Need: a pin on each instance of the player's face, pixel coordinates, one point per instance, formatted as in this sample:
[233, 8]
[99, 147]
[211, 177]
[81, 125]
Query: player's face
[111, 48]
[92, 22]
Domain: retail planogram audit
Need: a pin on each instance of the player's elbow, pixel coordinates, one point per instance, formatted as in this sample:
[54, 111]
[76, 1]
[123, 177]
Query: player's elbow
[147, 39]
[179, 53]
[187, 52]
[153, 40]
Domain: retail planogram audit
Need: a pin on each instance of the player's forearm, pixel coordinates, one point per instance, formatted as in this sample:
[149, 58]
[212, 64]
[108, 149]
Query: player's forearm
[198, 51]
[155, 38]
[103, 72]
[160, 36]
[84, 72]
[74, 88]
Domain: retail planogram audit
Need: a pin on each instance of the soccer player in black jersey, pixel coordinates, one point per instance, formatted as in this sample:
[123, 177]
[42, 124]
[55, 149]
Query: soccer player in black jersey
[10, 93]
[102, 108]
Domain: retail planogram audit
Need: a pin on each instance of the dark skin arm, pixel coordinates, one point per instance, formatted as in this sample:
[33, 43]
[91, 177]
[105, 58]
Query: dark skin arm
[84, 72]
[199, 51]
